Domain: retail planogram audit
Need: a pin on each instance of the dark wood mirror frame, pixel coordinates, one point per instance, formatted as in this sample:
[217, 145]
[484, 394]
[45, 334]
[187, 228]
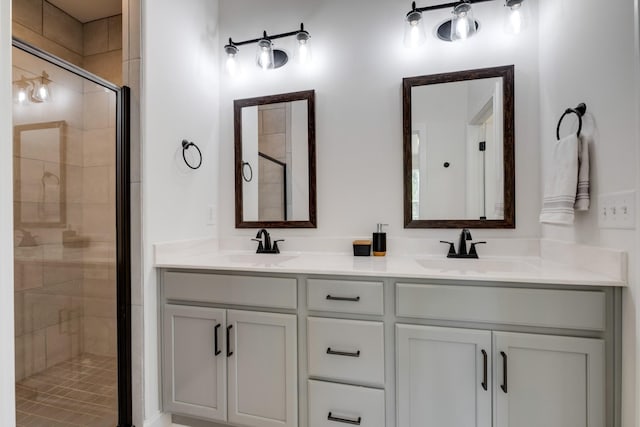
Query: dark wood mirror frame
[507, 74]
[238, 104]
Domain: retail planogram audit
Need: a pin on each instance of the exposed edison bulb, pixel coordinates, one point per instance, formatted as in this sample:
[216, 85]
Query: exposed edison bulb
[414, 34]
[264, 55]
[516, 16]
[232, 63]
[304, 47]
[463, 25]
[43, 92]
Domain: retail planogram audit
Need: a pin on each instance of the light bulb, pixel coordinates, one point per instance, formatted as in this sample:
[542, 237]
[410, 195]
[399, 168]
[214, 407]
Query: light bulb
[232, 64]
[516, 16]
[304, 47]
[265, 54]
[43, 92]
[414, 34]
[463, 25]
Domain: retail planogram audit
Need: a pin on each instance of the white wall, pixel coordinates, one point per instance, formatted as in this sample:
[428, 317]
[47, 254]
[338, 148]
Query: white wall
[179, 101]
[358, 65]
[7, 379]
[582, 62]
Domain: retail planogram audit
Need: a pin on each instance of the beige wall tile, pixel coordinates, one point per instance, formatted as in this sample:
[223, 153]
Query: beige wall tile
[96, 37]
[28, 13]
[115, 32]
[29, 36]
[30, 354]
[57, 272]
[73, 139]
[100, 336]
[100, 147]
[97, 288]
[63, 342]
[96, 111]
[100, 307]
[99, 222]
[62, 28]
[106, 65]
[28, 275]
[96, 186]
[273, 121]
[273, 145]
[74, 184]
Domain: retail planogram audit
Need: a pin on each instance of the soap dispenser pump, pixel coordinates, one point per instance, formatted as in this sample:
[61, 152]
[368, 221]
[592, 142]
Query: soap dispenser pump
[380, 241]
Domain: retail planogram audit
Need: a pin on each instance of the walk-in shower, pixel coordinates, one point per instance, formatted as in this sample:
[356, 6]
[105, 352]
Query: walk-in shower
[72, 329]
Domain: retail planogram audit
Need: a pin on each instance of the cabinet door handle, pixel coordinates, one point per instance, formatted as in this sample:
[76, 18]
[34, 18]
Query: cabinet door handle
[504, 371]
[344, 420]
[229, 352]
[216, 350]
[343, 353]
[485, 367]
[352, 299]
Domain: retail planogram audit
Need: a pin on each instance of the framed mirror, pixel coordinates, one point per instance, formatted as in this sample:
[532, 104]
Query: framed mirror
[39, 162]
[275, 161]
[459, 165]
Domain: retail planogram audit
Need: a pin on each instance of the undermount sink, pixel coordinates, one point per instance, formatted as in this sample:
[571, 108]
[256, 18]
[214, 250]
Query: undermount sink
[476, 265]
[259, 259]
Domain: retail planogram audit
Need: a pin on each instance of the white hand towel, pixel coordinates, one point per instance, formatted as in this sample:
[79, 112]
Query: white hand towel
[560, 192]
[582, 196]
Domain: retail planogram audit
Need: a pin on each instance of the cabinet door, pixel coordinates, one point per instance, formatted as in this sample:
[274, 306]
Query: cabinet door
[550, 381]
[263, 369]
[194, 376]
[443, 377]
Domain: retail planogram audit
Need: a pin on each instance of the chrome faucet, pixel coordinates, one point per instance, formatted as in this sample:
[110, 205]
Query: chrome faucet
[462, 246]
[264, 246]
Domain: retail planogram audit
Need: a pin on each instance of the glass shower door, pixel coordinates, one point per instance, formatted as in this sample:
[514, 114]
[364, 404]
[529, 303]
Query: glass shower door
[65, 240]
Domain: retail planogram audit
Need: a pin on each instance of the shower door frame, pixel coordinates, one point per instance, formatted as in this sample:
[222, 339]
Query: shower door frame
[123, 225]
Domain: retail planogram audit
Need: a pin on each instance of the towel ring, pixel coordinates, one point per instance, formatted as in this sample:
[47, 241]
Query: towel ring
[579, 111]
[185, 146]
[250, 172]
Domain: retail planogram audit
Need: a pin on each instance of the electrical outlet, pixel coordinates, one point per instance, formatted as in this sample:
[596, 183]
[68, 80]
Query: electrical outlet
[211, 215]
[617, 210]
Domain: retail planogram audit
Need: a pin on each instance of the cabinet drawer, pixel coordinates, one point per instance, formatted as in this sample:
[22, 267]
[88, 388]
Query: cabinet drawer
[345, 296]
[518, 306]
[275, 292]
[331, 405]
[346, 350]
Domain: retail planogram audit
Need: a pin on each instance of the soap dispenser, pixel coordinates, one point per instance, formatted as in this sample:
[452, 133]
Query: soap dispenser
[380, 241]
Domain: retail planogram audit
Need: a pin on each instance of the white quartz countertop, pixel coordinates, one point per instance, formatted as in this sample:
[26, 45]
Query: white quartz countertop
[529, 269]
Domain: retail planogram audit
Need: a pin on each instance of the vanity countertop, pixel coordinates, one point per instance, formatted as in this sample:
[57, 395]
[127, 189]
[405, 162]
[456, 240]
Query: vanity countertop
[494, 269]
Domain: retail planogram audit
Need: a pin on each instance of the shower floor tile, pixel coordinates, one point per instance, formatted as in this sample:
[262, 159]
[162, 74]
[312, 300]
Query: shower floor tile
[81, 392]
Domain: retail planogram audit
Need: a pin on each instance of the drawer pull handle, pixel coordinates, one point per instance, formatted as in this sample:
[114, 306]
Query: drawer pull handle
[344, 420]
[352, 299]
[229, 352]
[343, 353]
[504, 371]
[484, 375]
[216, 350]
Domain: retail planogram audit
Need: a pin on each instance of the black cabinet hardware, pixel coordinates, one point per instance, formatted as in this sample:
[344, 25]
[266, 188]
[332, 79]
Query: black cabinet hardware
[352, 299]
[216, 350]
[229, 352]
[343, 353]
[344, 420]
[485, 367]
[504, 371]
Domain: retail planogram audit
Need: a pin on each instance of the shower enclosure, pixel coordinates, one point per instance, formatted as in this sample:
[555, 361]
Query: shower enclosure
[72, 327]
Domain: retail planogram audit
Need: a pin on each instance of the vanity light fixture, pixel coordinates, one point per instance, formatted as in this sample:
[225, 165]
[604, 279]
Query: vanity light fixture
[268, 57]
[34, 89]
[462, 25]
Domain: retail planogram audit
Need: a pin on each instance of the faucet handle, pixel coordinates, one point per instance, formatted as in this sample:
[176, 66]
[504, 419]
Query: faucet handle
[472, 249]
[452, 248]
[260, 247]
[275, 247]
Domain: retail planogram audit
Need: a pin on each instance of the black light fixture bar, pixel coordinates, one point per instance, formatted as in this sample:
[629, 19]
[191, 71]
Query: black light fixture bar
[444, 5]
[268, 37]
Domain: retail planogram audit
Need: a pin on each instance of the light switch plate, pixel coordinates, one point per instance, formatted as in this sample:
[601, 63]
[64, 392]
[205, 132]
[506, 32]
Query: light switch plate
[617, 210]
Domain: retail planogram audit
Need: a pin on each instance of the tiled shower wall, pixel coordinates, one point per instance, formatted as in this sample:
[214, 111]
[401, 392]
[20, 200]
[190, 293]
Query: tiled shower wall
[95, 46]
[272, 138]
[65, 294]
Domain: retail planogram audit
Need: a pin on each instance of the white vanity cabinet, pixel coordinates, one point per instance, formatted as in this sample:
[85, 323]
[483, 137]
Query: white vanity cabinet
[448, 376]
[236, 366]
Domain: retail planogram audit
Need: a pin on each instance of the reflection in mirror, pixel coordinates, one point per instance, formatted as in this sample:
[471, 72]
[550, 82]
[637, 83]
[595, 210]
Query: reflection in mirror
[275, 161]
[458, 137]
[39, 163]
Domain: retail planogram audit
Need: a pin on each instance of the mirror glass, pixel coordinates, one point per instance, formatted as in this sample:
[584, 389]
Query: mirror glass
[458, 149]
[275, 161]
[39, 163]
